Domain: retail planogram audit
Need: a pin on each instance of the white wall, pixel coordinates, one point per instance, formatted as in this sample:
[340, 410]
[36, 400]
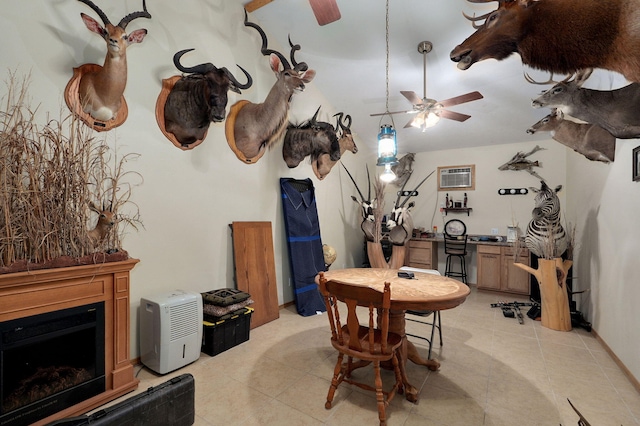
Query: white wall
[189, 198]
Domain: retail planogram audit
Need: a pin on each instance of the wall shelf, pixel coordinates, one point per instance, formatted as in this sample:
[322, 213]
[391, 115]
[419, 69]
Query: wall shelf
[466, 210]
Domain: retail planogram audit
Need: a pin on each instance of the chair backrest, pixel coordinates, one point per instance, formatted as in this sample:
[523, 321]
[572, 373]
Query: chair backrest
[377, 302]
[456, 245]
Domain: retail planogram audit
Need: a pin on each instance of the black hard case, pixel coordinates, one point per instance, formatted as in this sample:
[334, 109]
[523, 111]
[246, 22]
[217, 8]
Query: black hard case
[169, 404]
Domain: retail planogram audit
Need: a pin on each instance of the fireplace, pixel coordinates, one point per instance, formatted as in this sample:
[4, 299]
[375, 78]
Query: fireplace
[64, 341]
[50, 362]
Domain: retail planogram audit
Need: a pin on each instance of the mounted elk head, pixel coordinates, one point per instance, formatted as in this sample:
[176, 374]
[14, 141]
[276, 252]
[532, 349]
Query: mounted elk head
[614, 110]
[400, 222]
[323, 165]
[106, 220]
[101, 91]
[198, 99]
[251, 128]
[590, 140]
[557, 36]
[367, 205]
[311, 138]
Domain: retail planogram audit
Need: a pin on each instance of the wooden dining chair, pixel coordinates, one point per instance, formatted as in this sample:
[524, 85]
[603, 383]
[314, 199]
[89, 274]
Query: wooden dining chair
[369, 344]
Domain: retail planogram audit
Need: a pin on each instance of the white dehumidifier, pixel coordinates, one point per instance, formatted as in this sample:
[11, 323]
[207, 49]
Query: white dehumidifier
[170, 330]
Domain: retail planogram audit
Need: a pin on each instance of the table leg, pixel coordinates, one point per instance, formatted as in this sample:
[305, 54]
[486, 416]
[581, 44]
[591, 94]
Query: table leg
[414, 356]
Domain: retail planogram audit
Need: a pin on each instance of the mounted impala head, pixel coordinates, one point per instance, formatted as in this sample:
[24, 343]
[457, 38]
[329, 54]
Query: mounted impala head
[106, 220]
[557, 36]
[259, 126]
[323, 165]
[101, 91]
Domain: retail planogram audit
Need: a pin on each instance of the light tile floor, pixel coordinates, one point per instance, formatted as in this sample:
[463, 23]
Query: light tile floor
[494, 371]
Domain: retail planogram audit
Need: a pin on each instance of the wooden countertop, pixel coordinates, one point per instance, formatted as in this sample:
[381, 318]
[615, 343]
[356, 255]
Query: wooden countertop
[471, 240]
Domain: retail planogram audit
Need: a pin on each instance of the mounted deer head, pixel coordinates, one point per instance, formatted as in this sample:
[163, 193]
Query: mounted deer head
[614, 110]
[251, 128]
[101, 91]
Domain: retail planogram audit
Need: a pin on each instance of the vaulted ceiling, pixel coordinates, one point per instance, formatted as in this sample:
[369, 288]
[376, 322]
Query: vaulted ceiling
[349, 56]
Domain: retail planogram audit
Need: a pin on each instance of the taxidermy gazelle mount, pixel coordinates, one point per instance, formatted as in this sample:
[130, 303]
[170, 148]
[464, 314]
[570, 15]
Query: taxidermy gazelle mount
[95, 93]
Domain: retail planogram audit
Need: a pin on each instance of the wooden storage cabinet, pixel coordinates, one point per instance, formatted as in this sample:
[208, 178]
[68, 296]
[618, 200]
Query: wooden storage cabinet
[489, 267]
[514, 279]
[422, 254]
[496, 269]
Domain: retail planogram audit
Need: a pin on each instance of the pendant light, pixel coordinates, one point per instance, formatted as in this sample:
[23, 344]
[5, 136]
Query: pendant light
[387, 142]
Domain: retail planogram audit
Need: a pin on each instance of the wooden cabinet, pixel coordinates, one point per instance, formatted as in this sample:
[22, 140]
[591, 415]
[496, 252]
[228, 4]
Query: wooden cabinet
[514, 279]
[489, 267]
[496, 269]
[422, 254]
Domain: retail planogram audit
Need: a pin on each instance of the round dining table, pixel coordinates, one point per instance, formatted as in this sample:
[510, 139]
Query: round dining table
[422, 292]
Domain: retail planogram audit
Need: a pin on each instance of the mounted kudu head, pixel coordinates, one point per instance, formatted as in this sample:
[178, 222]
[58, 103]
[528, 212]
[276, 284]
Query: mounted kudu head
[255, 127]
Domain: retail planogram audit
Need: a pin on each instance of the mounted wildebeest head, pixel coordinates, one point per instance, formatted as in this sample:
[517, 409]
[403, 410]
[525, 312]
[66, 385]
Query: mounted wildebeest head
[311, 138]
[557, 36]
[199, 98]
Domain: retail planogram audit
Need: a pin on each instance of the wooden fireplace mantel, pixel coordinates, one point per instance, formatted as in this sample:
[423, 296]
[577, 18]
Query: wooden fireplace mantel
[24, 294]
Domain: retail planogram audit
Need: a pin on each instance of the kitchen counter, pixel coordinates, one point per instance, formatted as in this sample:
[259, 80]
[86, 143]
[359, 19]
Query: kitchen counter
[475, 239]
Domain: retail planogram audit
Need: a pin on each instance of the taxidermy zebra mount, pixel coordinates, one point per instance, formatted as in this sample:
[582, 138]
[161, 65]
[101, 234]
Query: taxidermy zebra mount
[545, 236]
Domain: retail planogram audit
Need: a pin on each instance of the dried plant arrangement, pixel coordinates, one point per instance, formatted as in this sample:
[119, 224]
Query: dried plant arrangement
[49, 176]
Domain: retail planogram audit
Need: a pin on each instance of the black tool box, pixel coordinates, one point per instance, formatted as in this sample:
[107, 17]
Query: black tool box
[169, 404]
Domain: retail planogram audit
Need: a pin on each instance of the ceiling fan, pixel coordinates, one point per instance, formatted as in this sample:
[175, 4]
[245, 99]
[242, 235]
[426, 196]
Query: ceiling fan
[429, 111]
[325, 11]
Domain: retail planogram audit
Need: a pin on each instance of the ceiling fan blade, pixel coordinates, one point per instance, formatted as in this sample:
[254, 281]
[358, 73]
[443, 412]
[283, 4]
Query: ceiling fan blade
[472, 96]
[392, 112]
[454, 115]
[326, 11]
[411, 97]
[255, 5]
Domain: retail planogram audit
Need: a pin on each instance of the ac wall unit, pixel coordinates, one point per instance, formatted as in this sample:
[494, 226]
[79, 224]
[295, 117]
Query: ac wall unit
[170, 330]
[456, 177]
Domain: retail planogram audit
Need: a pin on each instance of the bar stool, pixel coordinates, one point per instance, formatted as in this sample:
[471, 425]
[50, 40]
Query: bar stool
[455, 247]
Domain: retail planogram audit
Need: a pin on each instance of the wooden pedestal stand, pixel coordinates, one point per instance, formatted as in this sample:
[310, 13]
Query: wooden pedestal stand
[377, 260]
[552, 277]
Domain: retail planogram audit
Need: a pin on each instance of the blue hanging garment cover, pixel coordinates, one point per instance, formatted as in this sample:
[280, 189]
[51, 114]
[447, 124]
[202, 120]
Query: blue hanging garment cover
[304, 243]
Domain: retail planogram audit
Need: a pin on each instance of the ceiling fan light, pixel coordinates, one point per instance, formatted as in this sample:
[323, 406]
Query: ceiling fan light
[432, 120]
[387, 146]
[387, 175]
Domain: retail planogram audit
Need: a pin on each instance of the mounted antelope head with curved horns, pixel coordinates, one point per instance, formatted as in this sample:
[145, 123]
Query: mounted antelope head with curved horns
[101, 91]
[323, 165]
[367, 206]
[251, 128]
[198, 99]
[400, 222]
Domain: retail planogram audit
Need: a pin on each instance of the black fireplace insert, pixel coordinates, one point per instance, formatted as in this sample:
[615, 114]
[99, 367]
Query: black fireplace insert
[51, 361]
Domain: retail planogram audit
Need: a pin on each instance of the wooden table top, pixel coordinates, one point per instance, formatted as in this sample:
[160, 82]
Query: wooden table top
[424, 292]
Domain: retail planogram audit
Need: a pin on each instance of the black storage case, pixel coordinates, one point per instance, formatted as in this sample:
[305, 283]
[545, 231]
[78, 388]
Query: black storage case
[169, 404]
[220, 334]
